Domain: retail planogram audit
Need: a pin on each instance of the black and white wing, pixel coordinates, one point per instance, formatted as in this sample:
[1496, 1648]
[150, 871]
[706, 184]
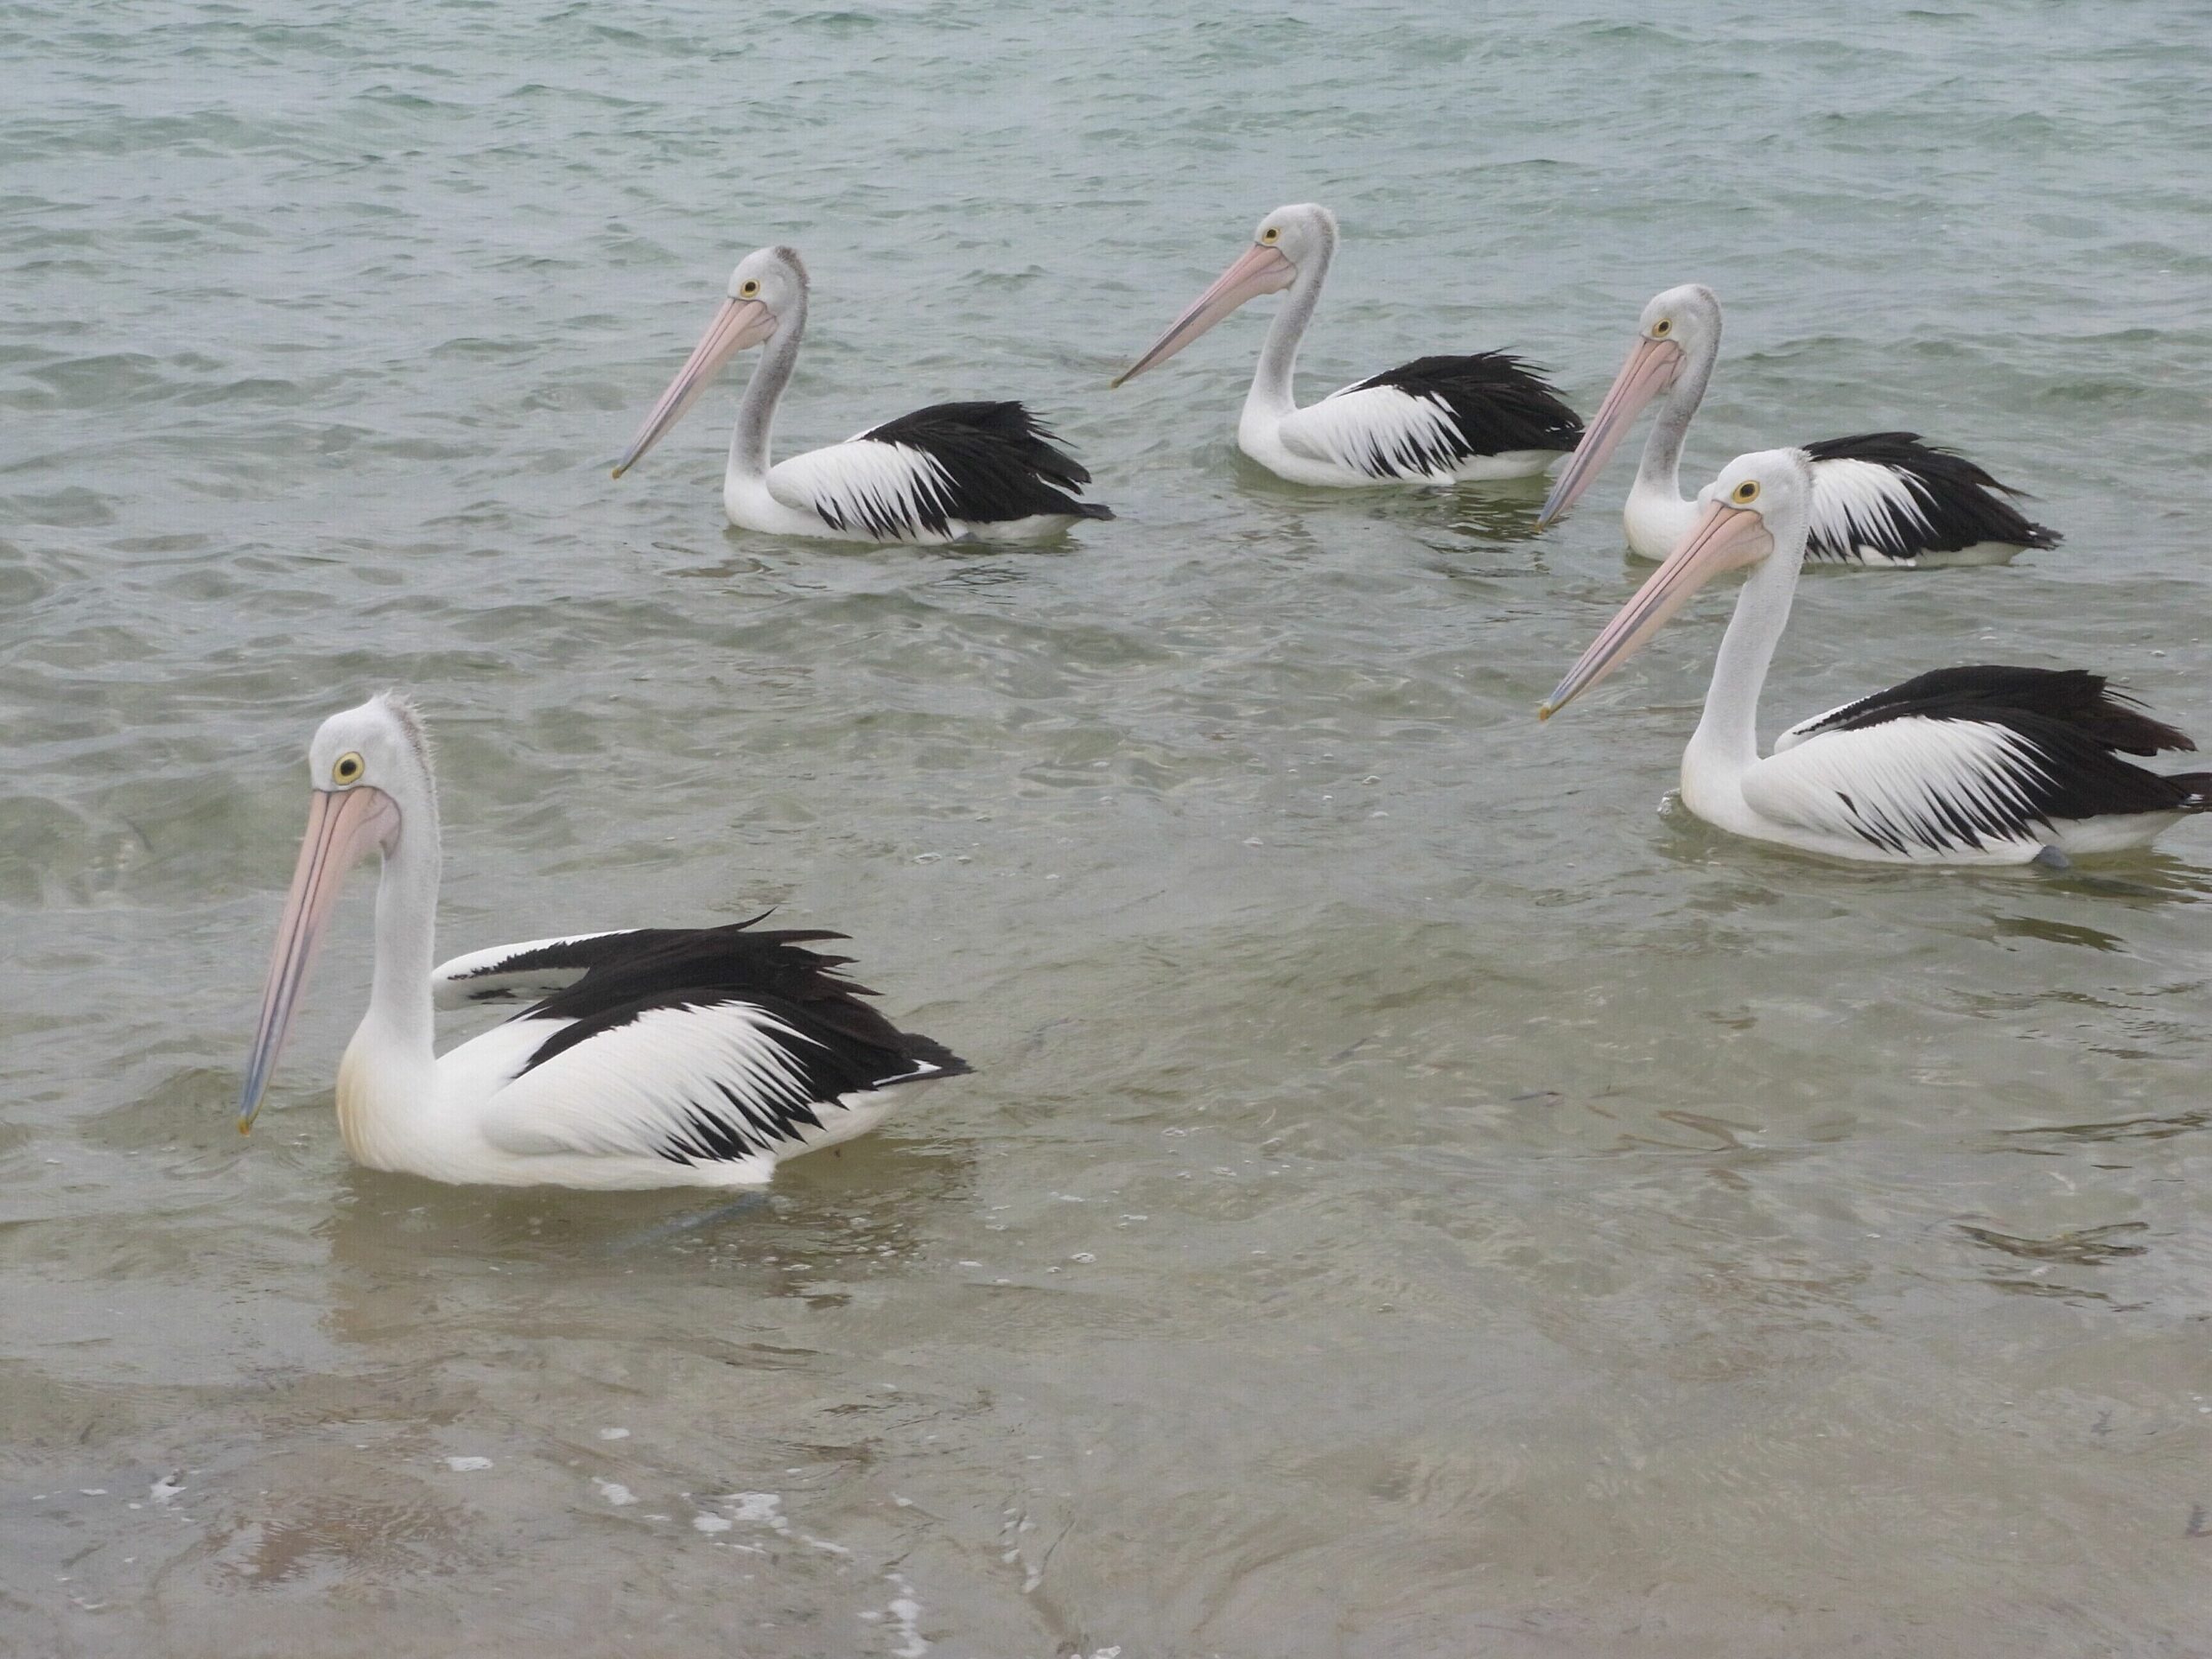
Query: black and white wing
[1888, 498]
[713, 1044]
[2071, 696]
[1426, 419]
[1972, 759]
[922, 475]
[693, 1082]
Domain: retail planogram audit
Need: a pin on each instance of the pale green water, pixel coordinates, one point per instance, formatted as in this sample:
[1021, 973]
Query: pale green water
[1414, 1200]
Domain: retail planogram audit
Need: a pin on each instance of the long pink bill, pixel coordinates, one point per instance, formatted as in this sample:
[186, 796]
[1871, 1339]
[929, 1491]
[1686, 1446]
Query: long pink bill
[737, 324]
[1259, 269]
[1650, 368]
[343, 825]
[1722, 538]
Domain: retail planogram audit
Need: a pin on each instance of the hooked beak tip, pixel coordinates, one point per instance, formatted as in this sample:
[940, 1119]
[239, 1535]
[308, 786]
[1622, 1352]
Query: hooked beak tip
[245, 1126]
[1546, 710]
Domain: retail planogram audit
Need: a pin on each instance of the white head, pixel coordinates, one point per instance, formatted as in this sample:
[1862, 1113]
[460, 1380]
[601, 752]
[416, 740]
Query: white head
[381, 745]
[1288, 242]
[1687, 318]
[767, 291]
[1303, 232]
[1755, 511]
[1678, 327]
[369, 770]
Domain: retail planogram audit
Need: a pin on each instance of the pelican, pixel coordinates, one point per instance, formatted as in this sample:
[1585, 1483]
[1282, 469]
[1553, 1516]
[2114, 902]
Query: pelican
[1883, 499]
[654, 1057]
[950, 473]
[1436, 420]
[1984, 765]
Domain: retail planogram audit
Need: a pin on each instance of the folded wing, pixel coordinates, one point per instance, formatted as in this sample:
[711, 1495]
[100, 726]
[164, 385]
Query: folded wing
[1936, 765]
[1890, 496]
[692, 1079]
[1426, 418]
[2069, 697]
[687, 1043]
[939, 466]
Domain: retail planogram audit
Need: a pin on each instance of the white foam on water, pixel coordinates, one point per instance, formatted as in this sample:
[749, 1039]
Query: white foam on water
[761, 1509]
[905, 1611]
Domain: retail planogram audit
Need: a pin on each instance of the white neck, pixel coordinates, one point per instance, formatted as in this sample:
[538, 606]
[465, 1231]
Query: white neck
[1660, 470]
[390, 1069]
[756, 410]
[1271, 397]
[1726, 741]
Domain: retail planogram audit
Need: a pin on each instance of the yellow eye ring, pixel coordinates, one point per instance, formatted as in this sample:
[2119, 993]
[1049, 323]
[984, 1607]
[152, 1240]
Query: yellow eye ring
[1745, 493]
[1271, 234]
[1662, 328]
[347, 769]
[750, 289]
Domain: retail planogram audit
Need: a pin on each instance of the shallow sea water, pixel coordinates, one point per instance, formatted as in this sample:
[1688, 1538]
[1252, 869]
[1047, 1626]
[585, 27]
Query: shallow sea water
[1420, 1194]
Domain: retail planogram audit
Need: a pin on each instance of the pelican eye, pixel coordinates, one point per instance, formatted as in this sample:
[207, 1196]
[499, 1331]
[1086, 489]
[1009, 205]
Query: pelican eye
[1745, 493]
[1662, 328]
[1271, 235]
[752, 287]
[348, 769]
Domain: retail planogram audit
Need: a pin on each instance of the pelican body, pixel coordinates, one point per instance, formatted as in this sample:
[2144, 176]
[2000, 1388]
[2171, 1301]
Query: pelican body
[655, 1056]
[1884, 500]
[950, 473]
[1433, 421]
[1980, 765]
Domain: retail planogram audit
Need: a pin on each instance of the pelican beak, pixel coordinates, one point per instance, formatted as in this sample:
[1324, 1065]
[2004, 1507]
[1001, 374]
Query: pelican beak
[738, 324]
[1650, 368]
[1259, 269]
[342, 826]
[1722, 538]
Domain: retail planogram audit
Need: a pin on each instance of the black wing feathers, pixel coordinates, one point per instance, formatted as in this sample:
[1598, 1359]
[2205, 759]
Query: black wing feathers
[852, 1046]
[2072, 726]
[1963, 504]
[1497, 402]
[2079, 778]
[1000, 463]
[2072, 697]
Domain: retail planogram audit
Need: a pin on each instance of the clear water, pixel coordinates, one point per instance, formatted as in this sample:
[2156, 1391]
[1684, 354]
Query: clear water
[1419, 1196]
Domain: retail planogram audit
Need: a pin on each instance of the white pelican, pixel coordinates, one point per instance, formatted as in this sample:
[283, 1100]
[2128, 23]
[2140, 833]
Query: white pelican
[658, 1057]
[1964, 765]
[950, 473]
[1436, 420]
[1879, 499]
